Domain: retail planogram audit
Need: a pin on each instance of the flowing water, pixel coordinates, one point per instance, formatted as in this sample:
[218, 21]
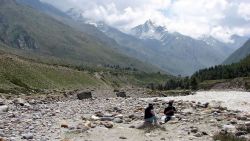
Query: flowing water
[234, 100]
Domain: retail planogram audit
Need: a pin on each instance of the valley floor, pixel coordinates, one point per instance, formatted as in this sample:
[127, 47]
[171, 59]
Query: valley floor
[114, 119]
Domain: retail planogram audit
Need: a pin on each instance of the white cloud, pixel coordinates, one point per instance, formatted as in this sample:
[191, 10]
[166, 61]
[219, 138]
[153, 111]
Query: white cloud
[244, 10]
[218, 18]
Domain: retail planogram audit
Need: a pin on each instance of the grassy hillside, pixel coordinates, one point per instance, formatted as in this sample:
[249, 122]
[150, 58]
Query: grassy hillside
[18, 75]
[29, 33]
[21, 74]
[239, 54]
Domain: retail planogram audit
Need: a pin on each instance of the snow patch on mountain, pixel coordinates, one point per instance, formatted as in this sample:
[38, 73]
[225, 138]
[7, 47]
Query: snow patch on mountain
[149, 30]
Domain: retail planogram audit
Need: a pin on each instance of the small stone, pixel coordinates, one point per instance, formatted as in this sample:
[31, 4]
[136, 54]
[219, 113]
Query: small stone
[240, 133]
[163, 139]
[106, 118]
[119, 116]
[108, 115]
[4, 108]
[132, 126]
[173, 122]
[116, 109]
[118, 120]
[99, 114]
[88, 124]
[204, 133]
[229, 128]
[233, 121]
[123, 138]
[198, 134]
[127, 120]
[27, 136]
[108, 125]
[95, 118]
[64, 124]
[194, 129]
[242, 118]
[84, 95]
[2, 102]
[132, 116]
[121, 94]
[19, 101]
[205, 105]
[247, 123]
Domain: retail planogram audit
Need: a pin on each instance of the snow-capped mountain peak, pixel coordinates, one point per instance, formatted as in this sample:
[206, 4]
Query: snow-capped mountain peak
[209, 40]
[149, 30]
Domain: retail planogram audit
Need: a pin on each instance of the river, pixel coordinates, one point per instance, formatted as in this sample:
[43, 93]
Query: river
[233, 100]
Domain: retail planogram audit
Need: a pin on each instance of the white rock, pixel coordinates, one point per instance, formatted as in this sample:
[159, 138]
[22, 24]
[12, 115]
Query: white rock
[27, 136]
[95, 118]
[118, 120]
[229, 128]
[4, 108]
[247, 123]
[119, 116]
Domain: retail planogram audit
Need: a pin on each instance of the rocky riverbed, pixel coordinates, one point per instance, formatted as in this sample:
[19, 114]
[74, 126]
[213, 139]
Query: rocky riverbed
[114, 119]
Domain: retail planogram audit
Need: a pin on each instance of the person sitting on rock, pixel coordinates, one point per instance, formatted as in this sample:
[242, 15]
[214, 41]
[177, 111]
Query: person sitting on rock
[150, 116]
[169, 111]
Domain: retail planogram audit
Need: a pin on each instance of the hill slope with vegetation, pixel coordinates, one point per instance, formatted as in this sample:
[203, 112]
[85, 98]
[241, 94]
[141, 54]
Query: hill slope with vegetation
[229, 76]
[19, 75]
[239, 54]
[30, 33]
[241, 69]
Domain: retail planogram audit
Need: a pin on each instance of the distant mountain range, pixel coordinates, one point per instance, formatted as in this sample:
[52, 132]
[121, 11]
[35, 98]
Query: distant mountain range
[173, 52]
[39, 30]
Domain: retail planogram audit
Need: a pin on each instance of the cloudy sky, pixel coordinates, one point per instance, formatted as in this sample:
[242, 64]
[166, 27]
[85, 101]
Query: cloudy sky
[219, 18]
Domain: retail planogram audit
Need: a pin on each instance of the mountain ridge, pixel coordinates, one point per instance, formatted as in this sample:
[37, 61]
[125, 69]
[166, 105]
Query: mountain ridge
[239, 54]
[54, 39]
[175, 48]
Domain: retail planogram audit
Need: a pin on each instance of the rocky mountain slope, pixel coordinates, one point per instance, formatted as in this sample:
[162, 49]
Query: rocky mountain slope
[30, 33]
[152, 44]
[176, 53]
[239, 54]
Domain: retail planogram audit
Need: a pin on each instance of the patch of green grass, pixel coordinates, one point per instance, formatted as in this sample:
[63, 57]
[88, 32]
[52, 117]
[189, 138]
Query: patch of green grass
[208, 84]
[16, 73]
[119, 78]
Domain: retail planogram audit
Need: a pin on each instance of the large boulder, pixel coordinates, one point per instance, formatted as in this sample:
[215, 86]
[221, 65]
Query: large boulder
[84, 95]
[121, 94]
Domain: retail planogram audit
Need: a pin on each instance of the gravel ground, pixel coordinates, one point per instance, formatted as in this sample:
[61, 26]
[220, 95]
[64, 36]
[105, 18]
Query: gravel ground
[114, 119]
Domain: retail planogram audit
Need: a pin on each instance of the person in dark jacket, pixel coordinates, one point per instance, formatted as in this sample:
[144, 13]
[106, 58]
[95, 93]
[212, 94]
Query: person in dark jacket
[169, 111]
[149, 115]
